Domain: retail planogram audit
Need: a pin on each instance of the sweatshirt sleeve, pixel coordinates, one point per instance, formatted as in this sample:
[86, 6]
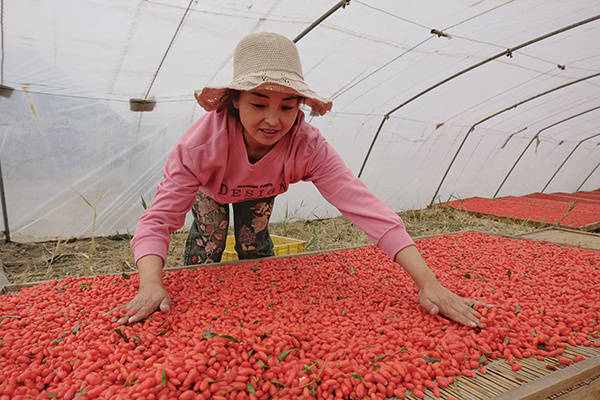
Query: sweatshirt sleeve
[174, 198]
[338, 185]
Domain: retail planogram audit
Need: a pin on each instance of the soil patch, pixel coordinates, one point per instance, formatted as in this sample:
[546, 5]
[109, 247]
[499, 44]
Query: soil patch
[30, 262]
[567, 237]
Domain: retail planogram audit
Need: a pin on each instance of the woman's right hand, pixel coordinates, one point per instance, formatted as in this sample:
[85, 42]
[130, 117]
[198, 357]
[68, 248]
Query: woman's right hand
[150, 297]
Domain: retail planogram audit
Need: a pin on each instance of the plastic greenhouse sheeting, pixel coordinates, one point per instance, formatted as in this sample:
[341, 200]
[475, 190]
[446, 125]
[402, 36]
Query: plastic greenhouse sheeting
[70, 146]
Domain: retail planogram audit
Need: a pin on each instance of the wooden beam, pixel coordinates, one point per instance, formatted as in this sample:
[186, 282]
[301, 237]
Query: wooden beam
[589, 391]
[557, 382]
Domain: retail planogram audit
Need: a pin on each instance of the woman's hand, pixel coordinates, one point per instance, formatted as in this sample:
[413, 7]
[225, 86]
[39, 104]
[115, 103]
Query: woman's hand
[150, 297]
[437, 299]
[432, 295]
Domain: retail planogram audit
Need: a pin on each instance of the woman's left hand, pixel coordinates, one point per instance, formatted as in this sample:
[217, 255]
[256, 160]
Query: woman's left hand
[437, 299]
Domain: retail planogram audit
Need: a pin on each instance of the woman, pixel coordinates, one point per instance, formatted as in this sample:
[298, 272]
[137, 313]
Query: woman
[249, 147]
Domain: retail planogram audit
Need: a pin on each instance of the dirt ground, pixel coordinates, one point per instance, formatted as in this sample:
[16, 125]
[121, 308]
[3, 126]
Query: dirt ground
[30, 262]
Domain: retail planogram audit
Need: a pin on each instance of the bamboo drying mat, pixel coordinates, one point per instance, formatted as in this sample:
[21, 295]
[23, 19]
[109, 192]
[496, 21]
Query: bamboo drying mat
[500, 378]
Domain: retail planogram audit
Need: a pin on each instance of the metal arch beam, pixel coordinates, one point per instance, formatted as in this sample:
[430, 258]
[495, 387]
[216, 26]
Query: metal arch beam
[472, 128]
[565, 160]
[507, 52]
[187, 10]
[536, 136]
[588, 177]
[4, 210]
[5, 91]
[146, 104]
[341, 4]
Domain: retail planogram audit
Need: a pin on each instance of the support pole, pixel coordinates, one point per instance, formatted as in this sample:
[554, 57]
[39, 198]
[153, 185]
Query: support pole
[4, 210]
[385, 118]
[565, 160]
[5, 91]
[536, 136]
[341, 4]
[588, 177]
[146, 104]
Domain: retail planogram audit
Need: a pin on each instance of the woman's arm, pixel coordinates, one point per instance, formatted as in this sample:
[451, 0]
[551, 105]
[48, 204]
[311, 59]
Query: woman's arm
[334, 180]
[432, 295]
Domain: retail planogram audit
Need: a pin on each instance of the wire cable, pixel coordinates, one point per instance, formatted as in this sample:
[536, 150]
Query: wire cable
[74, 96]
[393, 15]
[381, 67]
[518, 85]
[430, 29]
[434, 31]
[479, 15]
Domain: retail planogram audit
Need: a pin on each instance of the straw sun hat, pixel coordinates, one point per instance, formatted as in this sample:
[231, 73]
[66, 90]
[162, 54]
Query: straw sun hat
[266, 61]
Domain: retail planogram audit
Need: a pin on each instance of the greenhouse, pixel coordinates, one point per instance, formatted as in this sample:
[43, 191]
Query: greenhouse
[465, 133]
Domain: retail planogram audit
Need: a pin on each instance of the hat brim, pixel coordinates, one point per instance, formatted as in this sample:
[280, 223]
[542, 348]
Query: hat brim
[211, 98]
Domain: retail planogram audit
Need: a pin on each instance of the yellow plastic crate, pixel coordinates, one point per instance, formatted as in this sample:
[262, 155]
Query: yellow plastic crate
[281, 245]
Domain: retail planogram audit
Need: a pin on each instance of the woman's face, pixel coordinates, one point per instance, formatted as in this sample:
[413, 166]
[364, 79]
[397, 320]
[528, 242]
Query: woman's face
[266, 116]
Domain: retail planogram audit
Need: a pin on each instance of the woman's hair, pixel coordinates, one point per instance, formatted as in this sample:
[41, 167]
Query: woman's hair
[227, 102]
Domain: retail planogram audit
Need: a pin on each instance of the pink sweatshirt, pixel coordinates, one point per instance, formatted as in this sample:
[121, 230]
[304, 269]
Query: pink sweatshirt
[211, 156]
